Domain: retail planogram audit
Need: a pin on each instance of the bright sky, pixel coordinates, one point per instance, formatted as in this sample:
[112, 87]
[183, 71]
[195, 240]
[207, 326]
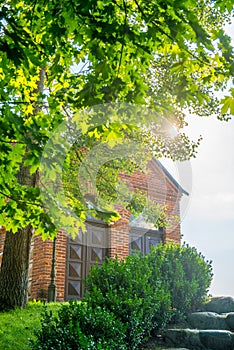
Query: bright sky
[208, 221]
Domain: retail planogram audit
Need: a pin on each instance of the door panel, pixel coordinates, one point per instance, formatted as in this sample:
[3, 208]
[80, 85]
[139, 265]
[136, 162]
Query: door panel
[76, 252]
[151, 241]
[136, 244]
[84, 251]
[75, 267]
[142, 242]
[74, 289]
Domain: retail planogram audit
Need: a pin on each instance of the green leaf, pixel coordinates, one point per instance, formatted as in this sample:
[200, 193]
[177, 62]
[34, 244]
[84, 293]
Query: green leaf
[228, 105]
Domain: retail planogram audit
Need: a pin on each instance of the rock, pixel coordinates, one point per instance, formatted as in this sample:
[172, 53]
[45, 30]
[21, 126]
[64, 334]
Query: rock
[220, 305]
[208, 320]
[216, 340]
[200, 339]
[230, 320]
[185, 338]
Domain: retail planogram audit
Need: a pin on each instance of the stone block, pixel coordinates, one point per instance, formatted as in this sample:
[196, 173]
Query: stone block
[230, 320]
[207, 320]
[216, 340]
[185, 338]
[220, 305]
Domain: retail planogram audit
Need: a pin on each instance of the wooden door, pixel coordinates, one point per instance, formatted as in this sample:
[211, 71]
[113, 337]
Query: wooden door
[85, 250]
[142, 242]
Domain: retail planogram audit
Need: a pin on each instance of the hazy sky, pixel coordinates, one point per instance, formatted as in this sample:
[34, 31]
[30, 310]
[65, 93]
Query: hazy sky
[208, 222]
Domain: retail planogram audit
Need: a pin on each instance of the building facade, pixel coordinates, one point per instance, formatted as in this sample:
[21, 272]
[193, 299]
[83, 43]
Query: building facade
[74, 257]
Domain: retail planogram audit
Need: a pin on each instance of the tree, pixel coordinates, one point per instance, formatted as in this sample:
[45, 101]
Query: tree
[60, 57]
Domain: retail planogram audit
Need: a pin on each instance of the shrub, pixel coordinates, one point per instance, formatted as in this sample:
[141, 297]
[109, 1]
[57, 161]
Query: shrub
[185, 273]
[124, 289]
[145, 293]
[79, 326]
[127, 299]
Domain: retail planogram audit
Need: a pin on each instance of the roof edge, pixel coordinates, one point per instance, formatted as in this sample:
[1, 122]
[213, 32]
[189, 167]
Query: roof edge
[166, 172]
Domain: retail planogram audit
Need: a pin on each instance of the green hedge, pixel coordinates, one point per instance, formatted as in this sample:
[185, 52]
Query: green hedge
[127, 299]
[185, 274]
[124, 289]
[145, 293]
[79, 326]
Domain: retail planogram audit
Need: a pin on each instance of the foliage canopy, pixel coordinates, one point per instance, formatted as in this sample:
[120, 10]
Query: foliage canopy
[58, 58]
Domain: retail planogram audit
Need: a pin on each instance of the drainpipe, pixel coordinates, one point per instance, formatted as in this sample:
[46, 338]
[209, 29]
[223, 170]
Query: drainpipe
[52, 285]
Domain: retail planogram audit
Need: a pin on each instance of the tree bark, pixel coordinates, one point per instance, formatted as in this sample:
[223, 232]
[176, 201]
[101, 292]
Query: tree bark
[15, 260]
[14, 269]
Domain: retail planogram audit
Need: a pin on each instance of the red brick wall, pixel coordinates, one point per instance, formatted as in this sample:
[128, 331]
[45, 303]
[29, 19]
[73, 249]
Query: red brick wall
[119, 236]
[41, 266]
[173, 233]
[165, 192]
[158, 187]
[61, 253]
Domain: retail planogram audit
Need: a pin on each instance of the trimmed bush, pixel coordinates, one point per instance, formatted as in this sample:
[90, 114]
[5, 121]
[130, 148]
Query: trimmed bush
[79, 326]
[145, 293]
[123, 288]
[128, 299]
[185, 272]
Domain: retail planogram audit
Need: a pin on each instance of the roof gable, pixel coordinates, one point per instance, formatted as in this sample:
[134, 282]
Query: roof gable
[170, 177]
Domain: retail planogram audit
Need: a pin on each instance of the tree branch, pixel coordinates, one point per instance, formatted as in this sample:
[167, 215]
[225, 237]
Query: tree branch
[157, 25]
[124, 33]
[13, 142]
[20, 200]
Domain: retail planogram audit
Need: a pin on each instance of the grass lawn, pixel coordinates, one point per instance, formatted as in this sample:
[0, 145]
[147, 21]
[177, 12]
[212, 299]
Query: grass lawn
[17, 326]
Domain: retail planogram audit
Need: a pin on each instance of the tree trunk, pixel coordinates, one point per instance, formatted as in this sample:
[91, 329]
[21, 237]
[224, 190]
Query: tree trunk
[15, 260]
[14, 269]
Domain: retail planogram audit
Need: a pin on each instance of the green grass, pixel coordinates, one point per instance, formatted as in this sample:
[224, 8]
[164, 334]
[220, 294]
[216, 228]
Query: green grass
[17, 326]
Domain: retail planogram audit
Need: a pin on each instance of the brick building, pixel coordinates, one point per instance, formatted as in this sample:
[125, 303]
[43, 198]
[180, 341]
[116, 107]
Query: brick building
[74, 257]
